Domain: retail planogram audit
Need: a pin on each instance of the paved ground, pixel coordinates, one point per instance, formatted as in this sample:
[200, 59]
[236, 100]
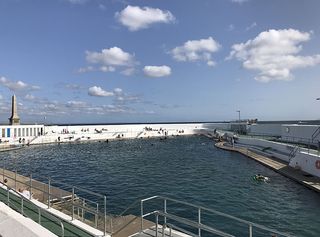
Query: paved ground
[277, 165]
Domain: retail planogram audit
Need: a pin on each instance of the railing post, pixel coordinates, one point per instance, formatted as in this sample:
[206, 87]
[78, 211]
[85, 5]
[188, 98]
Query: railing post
[250, 230]
[39, 216]
[165, 218]
[95, 215]
[15, 180]
[199, 221]
[141, 209]
[111, 225]
[49, 192]
[157, 220]
[8, 196]
[22, 205]
[82, 209]
[105, 215]
[30, 186]
[72, 203]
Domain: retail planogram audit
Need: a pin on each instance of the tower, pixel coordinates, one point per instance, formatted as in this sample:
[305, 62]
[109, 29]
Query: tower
[14, 119]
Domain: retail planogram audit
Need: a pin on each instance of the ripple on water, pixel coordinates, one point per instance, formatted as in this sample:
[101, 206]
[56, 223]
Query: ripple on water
[185, 168]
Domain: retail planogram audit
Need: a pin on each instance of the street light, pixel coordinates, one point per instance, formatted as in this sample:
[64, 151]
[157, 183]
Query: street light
[239, 114]
[239, 121]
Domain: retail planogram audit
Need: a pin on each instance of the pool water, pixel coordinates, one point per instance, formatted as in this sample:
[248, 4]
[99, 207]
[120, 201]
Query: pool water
[185, 168]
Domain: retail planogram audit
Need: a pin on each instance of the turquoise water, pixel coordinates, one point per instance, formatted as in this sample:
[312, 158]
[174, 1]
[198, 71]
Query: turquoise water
[184, 168]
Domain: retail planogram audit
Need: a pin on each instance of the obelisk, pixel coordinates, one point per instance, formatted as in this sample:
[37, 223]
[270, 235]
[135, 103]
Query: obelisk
[14, 119]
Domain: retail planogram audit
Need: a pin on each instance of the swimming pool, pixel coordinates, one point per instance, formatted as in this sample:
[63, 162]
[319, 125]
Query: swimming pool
[184, 168]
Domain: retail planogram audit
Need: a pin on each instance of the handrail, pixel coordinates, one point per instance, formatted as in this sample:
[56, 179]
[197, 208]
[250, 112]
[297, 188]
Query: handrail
[294, 152]
[23, 198]
[315, 133]
[92, 208]
[200, 208]
[129, 207]
[193, 224]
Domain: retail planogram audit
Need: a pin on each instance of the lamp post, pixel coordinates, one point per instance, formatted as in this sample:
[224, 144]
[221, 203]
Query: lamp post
[239, 121]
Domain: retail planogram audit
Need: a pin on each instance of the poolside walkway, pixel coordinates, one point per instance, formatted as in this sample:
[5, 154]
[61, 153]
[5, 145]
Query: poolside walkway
[277, 165]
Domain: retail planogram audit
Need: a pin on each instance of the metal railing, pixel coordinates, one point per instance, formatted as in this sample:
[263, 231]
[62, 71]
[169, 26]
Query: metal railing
[293, 152]
[71, 200]
[315, 134]
[21, 209]
[195, 224]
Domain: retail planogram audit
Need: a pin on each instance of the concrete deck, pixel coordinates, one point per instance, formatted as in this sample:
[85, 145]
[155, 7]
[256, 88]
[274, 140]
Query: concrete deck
[39, 189]
[277, 165]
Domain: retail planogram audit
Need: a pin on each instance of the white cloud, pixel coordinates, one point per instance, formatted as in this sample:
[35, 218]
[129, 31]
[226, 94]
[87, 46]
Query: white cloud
[110, 57]
[211, 63]
[107, 69]
[239, 1]
[77, 1]
[85, 69]
[231, 27]
[196, 50]
[274, 54]
[117, 90]
[73, 87]
[29, 97]
[137, 18]
[254, 24]
[76, 104]
[17, 86]
[157, 71]
[98, 91]
[128, 71]
[102, 7]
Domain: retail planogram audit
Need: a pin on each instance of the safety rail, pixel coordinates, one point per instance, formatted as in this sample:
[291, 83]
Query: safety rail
[198, 225]
[22, 207]
[78, 207]
[315, 134]
[293, 152]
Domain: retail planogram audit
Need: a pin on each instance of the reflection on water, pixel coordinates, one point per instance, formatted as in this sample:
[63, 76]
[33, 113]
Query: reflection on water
[185, 168]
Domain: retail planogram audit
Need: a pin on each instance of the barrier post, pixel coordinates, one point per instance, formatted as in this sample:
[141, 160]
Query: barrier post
[15, 179]
[30, 186]
[72, 203]
[199, 221]
[105, 215]
[141, 210]
[49, 191]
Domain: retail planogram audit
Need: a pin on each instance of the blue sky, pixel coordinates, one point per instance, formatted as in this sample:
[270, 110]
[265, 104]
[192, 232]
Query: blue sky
[100, 61]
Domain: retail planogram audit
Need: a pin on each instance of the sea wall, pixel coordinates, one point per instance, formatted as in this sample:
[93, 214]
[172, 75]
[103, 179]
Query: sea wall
[279, 150]
[302, 159]
[78, 133]
[306, 162]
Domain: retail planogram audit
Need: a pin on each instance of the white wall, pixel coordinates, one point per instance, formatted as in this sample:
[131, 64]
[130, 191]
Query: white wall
[264, 129]
[283, 148]
[302, 160]
[307, 162]
[299, 133]
[102, 132]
